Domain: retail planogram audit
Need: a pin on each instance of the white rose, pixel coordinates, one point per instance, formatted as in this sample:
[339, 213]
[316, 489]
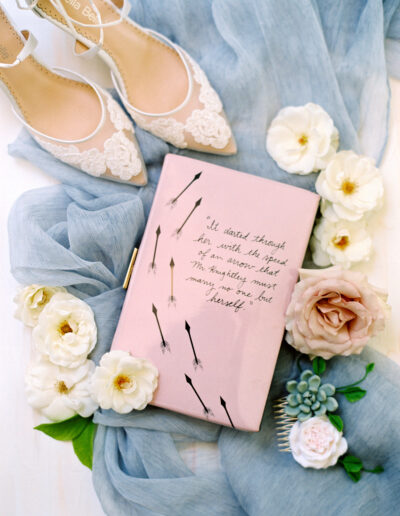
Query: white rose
[316, 443]
[340, 243]
[60, 392]
[66, 331]
[31, 301]
[352, 185]
[122, 382]
[302, 139]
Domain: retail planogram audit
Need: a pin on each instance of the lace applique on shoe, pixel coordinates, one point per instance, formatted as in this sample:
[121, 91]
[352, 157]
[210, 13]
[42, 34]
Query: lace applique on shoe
[207, 126]
[118, 116]
[208, 96]
[91, 161]
[167, 129]
[120, 155]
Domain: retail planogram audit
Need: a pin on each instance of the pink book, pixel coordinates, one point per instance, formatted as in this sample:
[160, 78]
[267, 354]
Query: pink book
[213, 277]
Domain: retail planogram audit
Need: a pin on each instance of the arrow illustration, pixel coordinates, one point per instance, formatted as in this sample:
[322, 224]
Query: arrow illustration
[172, 202]
[172, 298]
[223, 403]
[196, 361]
[207, 411]
[153, 263]
[196, 205]
[164, 343]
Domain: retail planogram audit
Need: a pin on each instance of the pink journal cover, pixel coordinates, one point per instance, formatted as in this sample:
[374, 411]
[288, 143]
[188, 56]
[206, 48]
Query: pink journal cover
[210, 286]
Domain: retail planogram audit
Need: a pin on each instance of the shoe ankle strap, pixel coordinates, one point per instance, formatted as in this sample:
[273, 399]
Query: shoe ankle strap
[71, 22]
[28, 5]
[30, 45]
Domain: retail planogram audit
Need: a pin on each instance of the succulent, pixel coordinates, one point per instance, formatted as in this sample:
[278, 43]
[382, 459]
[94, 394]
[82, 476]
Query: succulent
[307, 397]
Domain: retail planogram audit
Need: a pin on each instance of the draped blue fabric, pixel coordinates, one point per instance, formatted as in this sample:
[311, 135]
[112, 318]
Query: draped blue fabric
[260, 55]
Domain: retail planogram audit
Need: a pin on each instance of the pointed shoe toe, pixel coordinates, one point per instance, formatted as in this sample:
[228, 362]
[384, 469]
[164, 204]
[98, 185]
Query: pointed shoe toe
[200, 124]
[212, 135]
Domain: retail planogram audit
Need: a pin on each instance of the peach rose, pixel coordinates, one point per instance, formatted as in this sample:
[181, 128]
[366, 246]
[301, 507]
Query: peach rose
[334, 312]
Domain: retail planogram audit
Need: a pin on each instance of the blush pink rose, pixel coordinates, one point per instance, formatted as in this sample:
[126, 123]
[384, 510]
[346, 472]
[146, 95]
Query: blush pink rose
[334, 312]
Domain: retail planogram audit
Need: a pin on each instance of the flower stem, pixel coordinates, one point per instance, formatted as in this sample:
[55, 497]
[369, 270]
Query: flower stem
[298, 358]
[353, 384]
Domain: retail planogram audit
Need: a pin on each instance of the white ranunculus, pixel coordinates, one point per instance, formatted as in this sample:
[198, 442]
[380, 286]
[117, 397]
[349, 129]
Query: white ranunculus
[66, 331]
[31, 300]
[302, 139]
[60, 392]
[122, 382]
[352, 185]
[316, 443]
[340, 243]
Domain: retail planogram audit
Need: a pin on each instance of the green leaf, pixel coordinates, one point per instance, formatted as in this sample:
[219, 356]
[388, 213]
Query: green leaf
[352, 464]
[354, 394]
[318, 365]
[377, 470]
[65, 430]
[368, 368]
[336, 421]
[354, 475]
[83, 445]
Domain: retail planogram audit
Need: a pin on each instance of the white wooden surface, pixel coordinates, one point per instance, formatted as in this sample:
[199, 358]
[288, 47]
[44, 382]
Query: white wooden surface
[38, 476]
[42, 477]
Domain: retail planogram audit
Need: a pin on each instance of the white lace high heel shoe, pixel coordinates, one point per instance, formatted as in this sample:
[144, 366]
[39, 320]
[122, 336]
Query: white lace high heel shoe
[162, 87]
[78, 122]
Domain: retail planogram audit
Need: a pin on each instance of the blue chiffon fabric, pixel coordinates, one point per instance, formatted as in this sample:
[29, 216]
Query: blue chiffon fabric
[260, 55]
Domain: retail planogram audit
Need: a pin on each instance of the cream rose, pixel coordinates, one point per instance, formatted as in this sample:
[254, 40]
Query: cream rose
[302, 139]
[60, 392]
[122, 382]
[340, 243]
[66, 331]
[352, 185]
[31, 300]
[334, 312]
[316, 443]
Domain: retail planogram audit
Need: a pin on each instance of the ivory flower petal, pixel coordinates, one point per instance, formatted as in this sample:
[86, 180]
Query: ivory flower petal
[340, 243]
[31, 301]
[316, 443]
[334, 312]
[302, 139]
[60, 392]
[352, 185]
[66, 331]
[122, 382]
